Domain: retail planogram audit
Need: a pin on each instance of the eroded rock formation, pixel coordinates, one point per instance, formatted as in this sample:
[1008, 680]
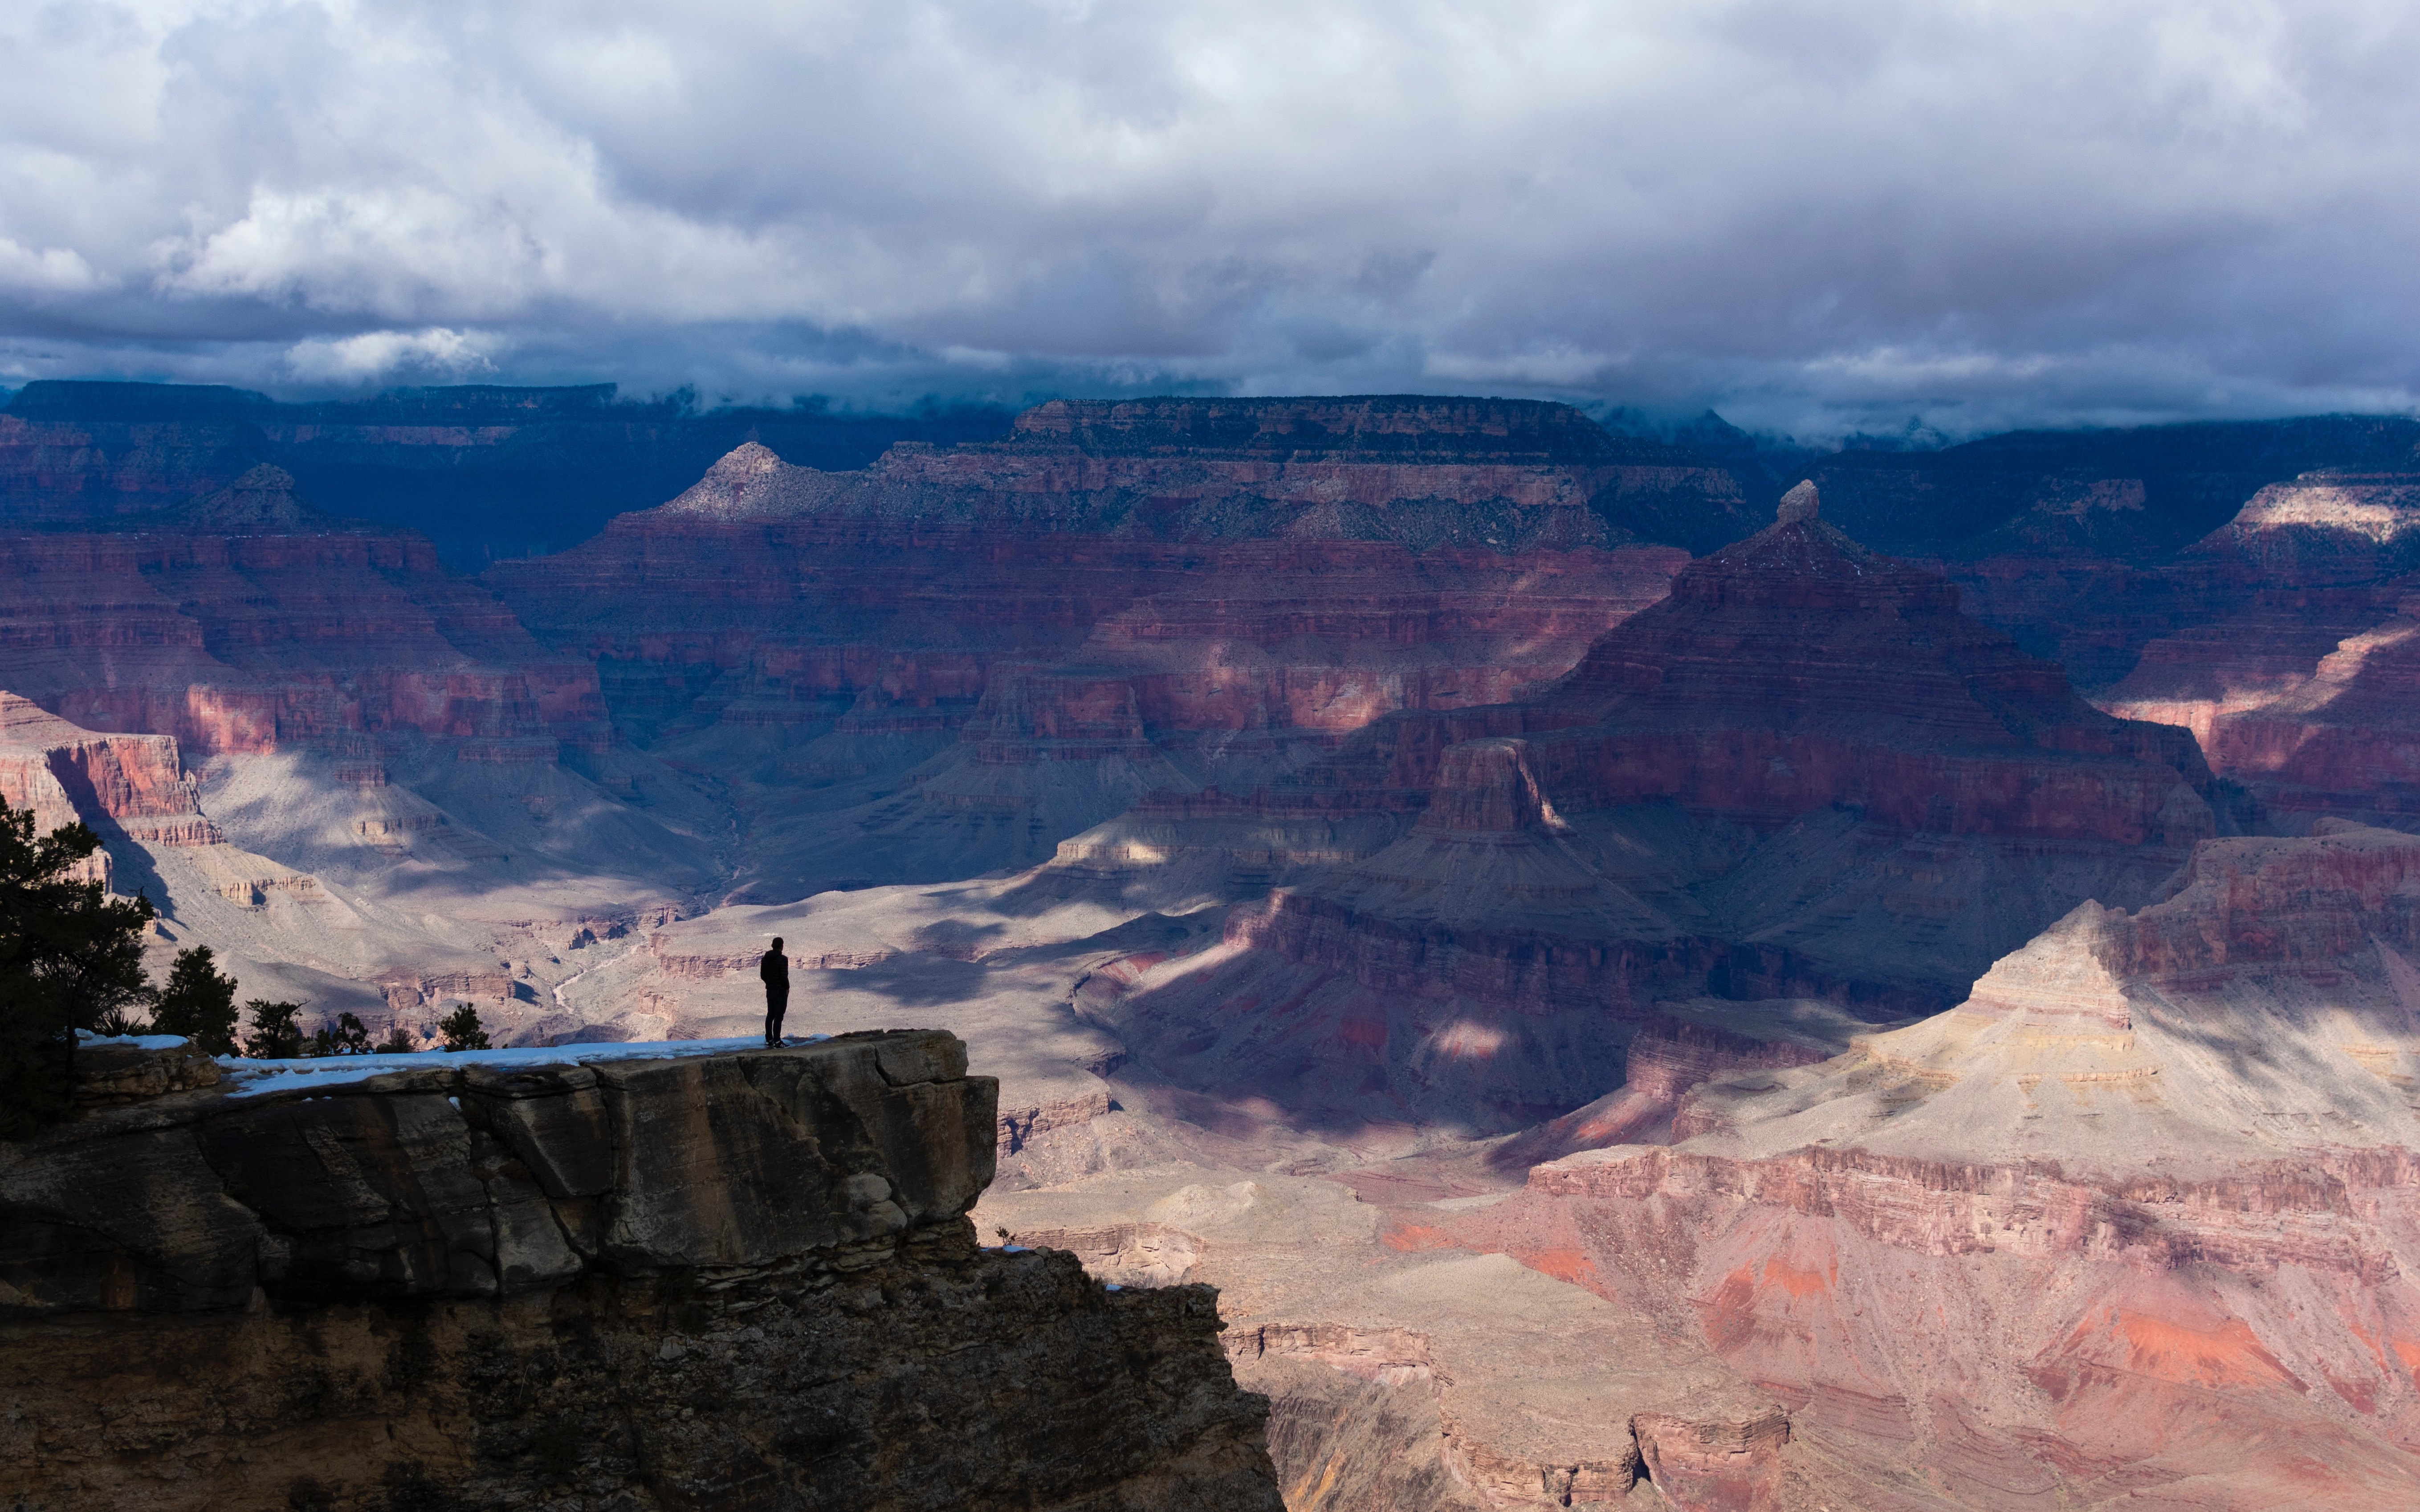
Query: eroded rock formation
[2298, 677]
[1208, 594]
[1803, 772]
[2128, 1217]
[245, 621]
[734, 1280]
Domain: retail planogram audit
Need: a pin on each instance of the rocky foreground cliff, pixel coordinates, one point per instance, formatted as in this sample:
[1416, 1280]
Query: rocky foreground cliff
[731, 1280]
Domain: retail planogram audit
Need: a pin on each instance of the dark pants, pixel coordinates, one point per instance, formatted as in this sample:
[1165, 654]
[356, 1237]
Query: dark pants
[777, 1002]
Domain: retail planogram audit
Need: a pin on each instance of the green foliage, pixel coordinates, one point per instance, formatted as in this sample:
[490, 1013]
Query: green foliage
[71, 956]
[397, 1042]
[275, 1035]
[346, 1036]
[197, 1003]
[461, 1029]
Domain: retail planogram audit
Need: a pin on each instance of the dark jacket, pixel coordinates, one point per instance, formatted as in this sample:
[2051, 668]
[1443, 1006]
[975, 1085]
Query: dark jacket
[775, 969]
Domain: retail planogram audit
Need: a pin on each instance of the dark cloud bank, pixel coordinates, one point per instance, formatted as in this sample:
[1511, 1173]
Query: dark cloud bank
[1817, 217]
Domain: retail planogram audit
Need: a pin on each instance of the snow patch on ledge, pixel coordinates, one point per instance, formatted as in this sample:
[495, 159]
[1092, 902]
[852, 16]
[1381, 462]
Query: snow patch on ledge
[246, 1078]
[87, 1039]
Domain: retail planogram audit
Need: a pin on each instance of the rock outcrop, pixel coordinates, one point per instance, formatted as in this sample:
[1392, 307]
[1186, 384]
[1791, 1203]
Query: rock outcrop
[130, 786]
[1804, 773]
[2127, 1217]
[1478, 972]
[736, 1279]
[2298, 674]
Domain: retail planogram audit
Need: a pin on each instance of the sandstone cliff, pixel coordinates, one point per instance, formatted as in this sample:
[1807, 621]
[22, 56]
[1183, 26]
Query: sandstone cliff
[737, 1279]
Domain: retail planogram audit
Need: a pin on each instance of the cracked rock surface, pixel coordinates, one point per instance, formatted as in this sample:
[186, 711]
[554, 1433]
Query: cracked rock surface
[738, 1281]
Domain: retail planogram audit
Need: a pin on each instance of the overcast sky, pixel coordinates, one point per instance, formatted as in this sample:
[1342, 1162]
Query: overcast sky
[1813, 216]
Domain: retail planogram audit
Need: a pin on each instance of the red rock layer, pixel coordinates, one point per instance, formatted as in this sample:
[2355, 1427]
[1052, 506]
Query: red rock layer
[2299, 679]
[1795, 670]
[134, 785]
[2120, 1226]
[1488, 967]
[241, 641]
[694, 620]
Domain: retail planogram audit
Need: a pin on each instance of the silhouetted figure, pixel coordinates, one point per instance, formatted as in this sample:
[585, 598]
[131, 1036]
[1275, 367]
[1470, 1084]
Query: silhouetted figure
[775, 969]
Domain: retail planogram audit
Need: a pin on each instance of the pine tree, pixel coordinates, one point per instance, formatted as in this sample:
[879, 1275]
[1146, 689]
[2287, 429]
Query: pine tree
[461, 1029]
[70, 955]
[197, 1003]
[275, 1035]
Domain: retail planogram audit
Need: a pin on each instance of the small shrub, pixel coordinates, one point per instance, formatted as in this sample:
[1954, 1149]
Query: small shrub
[197, 1003]
[461, 1029]
[274, 1036]
[348, 1036]
[397, 1042]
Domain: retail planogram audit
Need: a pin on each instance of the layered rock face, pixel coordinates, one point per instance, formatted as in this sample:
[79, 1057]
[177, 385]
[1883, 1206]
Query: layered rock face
[2124, 1221]
[1796, 668]
[716, 1279]
[2298, 679]
[842, 639]
[1511, 474]
[64, 774]
[1804, 773]
[2069, 541]
[245, 620]
[1479, 971]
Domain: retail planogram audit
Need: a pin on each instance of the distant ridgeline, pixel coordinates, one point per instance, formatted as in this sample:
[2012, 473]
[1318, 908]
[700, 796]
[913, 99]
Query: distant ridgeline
[486, 471]
[494, 473]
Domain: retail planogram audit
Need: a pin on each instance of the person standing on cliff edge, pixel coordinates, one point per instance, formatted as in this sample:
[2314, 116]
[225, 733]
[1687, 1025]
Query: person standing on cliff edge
[775, 968]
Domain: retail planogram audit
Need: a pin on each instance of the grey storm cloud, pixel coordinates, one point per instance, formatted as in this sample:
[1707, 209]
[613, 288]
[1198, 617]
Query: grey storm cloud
[1813, 215]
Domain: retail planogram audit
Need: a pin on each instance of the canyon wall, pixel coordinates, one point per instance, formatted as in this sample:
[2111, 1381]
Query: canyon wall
[1804, 773]
[2134, 1212]
[947, 663]
[2297, 673]
[246, 620]
[737, 1279]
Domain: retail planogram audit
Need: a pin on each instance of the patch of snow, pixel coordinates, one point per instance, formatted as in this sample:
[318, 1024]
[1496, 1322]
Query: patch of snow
[138, 1042]
[252, 1078]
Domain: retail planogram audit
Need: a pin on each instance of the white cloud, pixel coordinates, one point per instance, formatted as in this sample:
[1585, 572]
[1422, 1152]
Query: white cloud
[1795, 210]
[52, 270]
[378, 356]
